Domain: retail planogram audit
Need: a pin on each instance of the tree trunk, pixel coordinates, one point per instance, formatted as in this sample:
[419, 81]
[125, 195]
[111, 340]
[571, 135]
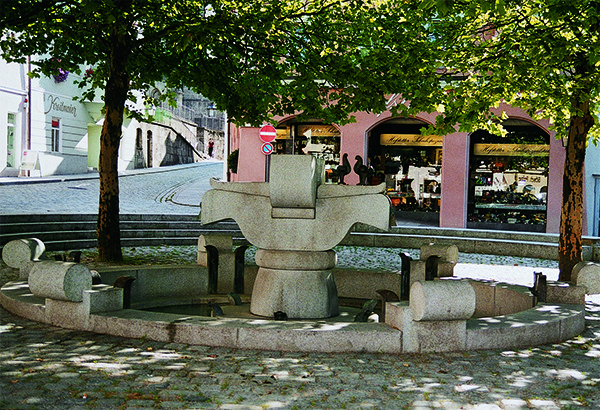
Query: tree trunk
[571, 218]
[117, 87]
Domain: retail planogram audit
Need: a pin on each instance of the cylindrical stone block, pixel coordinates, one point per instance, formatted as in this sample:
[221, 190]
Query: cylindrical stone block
[447, 253]
[442, 300]
[60, 280]
[577, 268]
[295, 260]
[587, 276]
[18, 253]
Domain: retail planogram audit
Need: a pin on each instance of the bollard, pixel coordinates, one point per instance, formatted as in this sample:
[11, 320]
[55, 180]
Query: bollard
[240, 263]
[405, 280]
[213, 268]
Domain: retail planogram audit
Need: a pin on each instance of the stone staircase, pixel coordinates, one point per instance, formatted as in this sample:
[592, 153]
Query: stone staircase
[78, 231]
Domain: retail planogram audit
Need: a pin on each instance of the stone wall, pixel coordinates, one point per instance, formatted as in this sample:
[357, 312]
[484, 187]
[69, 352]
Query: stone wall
[204, 135]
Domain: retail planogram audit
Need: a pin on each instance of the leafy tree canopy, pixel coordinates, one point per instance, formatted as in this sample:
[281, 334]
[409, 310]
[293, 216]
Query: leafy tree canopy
[539, 55]
[324, 58]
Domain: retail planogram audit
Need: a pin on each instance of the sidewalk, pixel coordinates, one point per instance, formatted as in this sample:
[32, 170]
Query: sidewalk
[95, 175]
[167, 190]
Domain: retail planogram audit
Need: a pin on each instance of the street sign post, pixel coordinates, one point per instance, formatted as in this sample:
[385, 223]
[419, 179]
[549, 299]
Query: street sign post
[267, 133]
[267, 148]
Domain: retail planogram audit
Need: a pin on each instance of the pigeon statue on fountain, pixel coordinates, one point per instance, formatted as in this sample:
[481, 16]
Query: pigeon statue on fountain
[343, 169]
[361, 170]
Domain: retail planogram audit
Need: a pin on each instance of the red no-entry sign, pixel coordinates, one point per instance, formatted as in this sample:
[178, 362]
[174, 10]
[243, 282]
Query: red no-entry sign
[267, 133]
[267, 148]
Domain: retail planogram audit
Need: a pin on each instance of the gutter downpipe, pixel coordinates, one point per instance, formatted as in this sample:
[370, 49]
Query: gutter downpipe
[29, 103]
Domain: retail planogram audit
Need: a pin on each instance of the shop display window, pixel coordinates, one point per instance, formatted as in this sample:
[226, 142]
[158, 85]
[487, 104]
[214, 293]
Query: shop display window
[411, 165]
[508, 182]
[319, 140]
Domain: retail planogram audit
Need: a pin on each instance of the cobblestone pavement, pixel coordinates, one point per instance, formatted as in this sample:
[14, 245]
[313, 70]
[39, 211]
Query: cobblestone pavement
[43, 367]
[168, 190]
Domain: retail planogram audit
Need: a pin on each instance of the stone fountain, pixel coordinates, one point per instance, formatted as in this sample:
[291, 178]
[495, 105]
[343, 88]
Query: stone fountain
[295, 220]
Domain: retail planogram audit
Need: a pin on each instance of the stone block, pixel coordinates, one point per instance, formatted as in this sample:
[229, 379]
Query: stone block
[275, 259]
[572, 321]
[164, 281]
[22, 253]
[64, 313]
[577, 268]
[293, 213]
[587, 274]
[446, 253]
[307, 338]
[438, 336]
[223, 243]
[485, 298]
[301, 294]
[397, 313]
[540, 325]
[442, 300]
[417, 271]
[365, 284]
[445, 269]
[60, 280]
[76, 315]
[561, 292]
[294, 180]
[512, 299]
[103, 298]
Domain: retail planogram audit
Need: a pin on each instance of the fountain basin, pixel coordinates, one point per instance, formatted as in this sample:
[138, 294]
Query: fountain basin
[545, 323]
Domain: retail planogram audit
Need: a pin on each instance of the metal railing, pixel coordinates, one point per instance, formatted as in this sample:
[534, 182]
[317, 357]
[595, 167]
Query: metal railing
[216, 123]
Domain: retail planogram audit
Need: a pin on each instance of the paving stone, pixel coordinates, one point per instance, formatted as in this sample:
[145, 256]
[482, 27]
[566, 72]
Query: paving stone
[110, 370]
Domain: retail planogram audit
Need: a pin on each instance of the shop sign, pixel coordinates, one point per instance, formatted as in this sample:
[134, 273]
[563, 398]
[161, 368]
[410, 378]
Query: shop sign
[411, 139]
[283, 134]
[29, 160]
[57, 104]
[318, 130]
[512, 150]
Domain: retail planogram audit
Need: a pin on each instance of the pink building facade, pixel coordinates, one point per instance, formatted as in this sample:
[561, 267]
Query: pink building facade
[460, 180]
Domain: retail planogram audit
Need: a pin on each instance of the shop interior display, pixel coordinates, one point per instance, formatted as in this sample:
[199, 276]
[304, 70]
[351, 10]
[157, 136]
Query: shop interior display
[514, 193]
[413, 180]
[508, 181]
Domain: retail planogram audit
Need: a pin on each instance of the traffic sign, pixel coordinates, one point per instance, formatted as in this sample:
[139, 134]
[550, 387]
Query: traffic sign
[268, 133]
[267, 148]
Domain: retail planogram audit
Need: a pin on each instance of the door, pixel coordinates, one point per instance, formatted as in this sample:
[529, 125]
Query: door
[10, 140]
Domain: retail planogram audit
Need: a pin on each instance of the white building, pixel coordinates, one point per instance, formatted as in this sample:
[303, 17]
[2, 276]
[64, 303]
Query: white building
[43, 131]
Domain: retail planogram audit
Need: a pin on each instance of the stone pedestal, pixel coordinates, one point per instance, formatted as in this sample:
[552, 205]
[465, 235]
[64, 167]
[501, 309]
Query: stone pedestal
[299, 283]
[223, 245]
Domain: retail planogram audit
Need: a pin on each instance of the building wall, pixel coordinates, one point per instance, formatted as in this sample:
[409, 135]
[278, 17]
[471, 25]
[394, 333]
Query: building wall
[592, 189]
[38, 105]
[38, 102]
[13, 97]
[455, 163]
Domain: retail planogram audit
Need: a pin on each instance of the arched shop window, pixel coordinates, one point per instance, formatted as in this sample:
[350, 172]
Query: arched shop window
[318, 139]
[508, 178]
[410, 164]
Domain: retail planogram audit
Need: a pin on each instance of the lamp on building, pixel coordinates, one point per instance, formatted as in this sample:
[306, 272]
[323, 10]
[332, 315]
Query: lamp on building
[212, 110]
